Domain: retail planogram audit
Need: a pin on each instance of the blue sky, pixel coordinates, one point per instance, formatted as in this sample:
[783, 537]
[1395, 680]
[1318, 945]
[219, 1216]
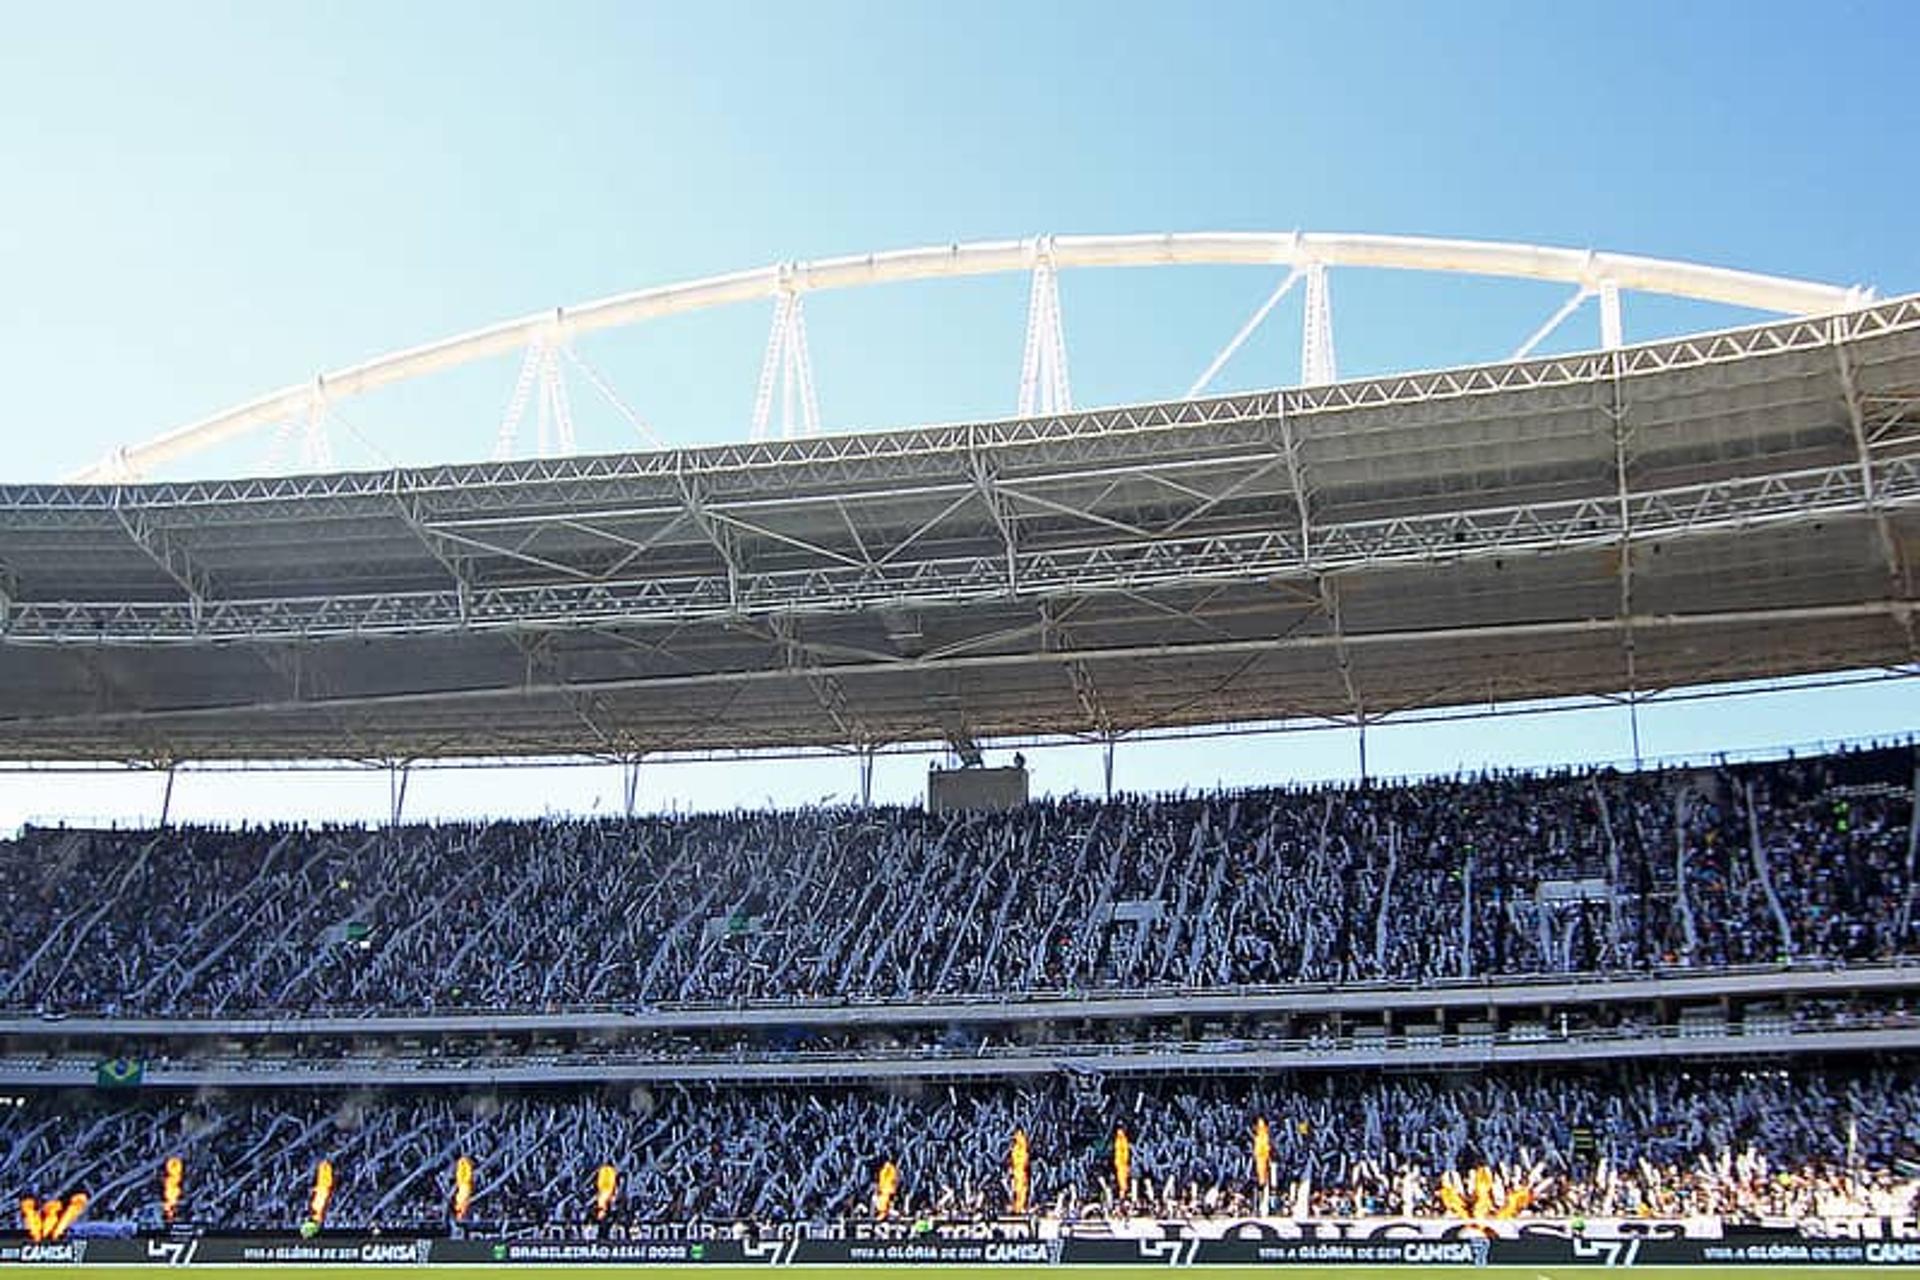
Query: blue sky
[202, 202]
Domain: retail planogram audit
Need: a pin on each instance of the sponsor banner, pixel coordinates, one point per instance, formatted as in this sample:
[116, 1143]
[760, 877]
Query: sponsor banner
[1390, 1228]
[182, 1251]
[1526, 1251]
[1777, 1251]
[591, 1252]
[1024, 1253]
[1372, 1253]
[1863, 1243]
[44, 1254]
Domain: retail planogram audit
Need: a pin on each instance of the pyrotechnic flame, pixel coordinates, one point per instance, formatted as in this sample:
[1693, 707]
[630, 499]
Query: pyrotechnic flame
[885, 1186]
[76, 1205]
[1018, 1159]
[462, 1187]
[605, 1183]
[49, 1221]
[170, 1179]
[322, 1192]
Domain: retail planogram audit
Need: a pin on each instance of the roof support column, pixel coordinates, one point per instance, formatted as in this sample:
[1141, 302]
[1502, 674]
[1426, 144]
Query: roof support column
[630, 782]
[542, 381]
[1913, 847]
[1297, 479]
[1618, 421]
[398, 771]
[1044, 385]
[316, 446]
[166, 797]
[1329, 589]
[866, 776]
[1610, 331]
[1330, 605]
[1899, 575]
[788, 368]
[1318, 366]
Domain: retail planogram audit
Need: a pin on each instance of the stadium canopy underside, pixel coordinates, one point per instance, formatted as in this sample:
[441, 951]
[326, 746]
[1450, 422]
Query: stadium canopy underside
[1722, 507]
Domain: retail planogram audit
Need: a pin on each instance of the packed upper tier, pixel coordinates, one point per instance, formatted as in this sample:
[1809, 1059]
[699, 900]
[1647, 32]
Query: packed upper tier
[1509, 874]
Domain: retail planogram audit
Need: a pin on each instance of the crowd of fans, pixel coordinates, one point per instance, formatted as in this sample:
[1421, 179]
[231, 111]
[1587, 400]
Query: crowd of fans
[1465, 878]
[1459, 878]
[1663, 1142]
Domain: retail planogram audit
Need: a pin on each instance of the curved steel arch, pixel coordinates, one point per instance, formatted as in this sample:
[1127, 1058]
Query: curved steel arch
[1588, 269]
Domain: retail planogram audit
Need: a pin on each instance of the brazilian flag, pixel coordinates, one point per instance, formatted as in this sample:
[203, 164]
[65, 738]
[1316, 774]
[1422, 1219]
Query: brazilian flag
[119, 1073]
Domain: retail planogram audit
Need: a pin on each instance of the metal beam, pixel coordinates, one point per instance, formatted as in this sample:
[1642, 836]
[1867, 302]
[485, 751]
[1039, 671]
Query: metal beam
[1619, 425]
[1572, 266]
[1001, 515]
[172, 558]
[1055, 637]
[1401, 389]
[463, 585]
[1899, 575]
[742, 679]
[786, 373]
[1330, 604]
[1553, 322]
[286, 661]
[1719, 506]
[1610, 330]
[826, 690]
[649, 438]
[1462, 996]
[720, 539]
[1241, 335]
[591, 711]
[1318, 365]
[1044, 384]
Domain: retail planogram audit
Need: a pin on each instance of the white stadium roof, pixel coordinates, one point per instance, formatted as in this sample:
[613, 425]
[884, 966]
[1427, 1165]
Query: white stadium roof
[1719, 507]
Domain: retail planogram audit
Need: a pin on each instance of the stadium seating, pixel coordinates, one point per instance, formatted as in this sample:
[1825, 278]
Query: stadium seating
[1570, 873]
[1505, 874]
[1668, 1142]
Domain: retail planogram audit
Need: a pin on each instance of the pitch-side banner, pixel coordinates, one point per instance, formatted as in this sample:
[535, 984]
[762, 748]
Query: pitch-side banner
[1854, 1242]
